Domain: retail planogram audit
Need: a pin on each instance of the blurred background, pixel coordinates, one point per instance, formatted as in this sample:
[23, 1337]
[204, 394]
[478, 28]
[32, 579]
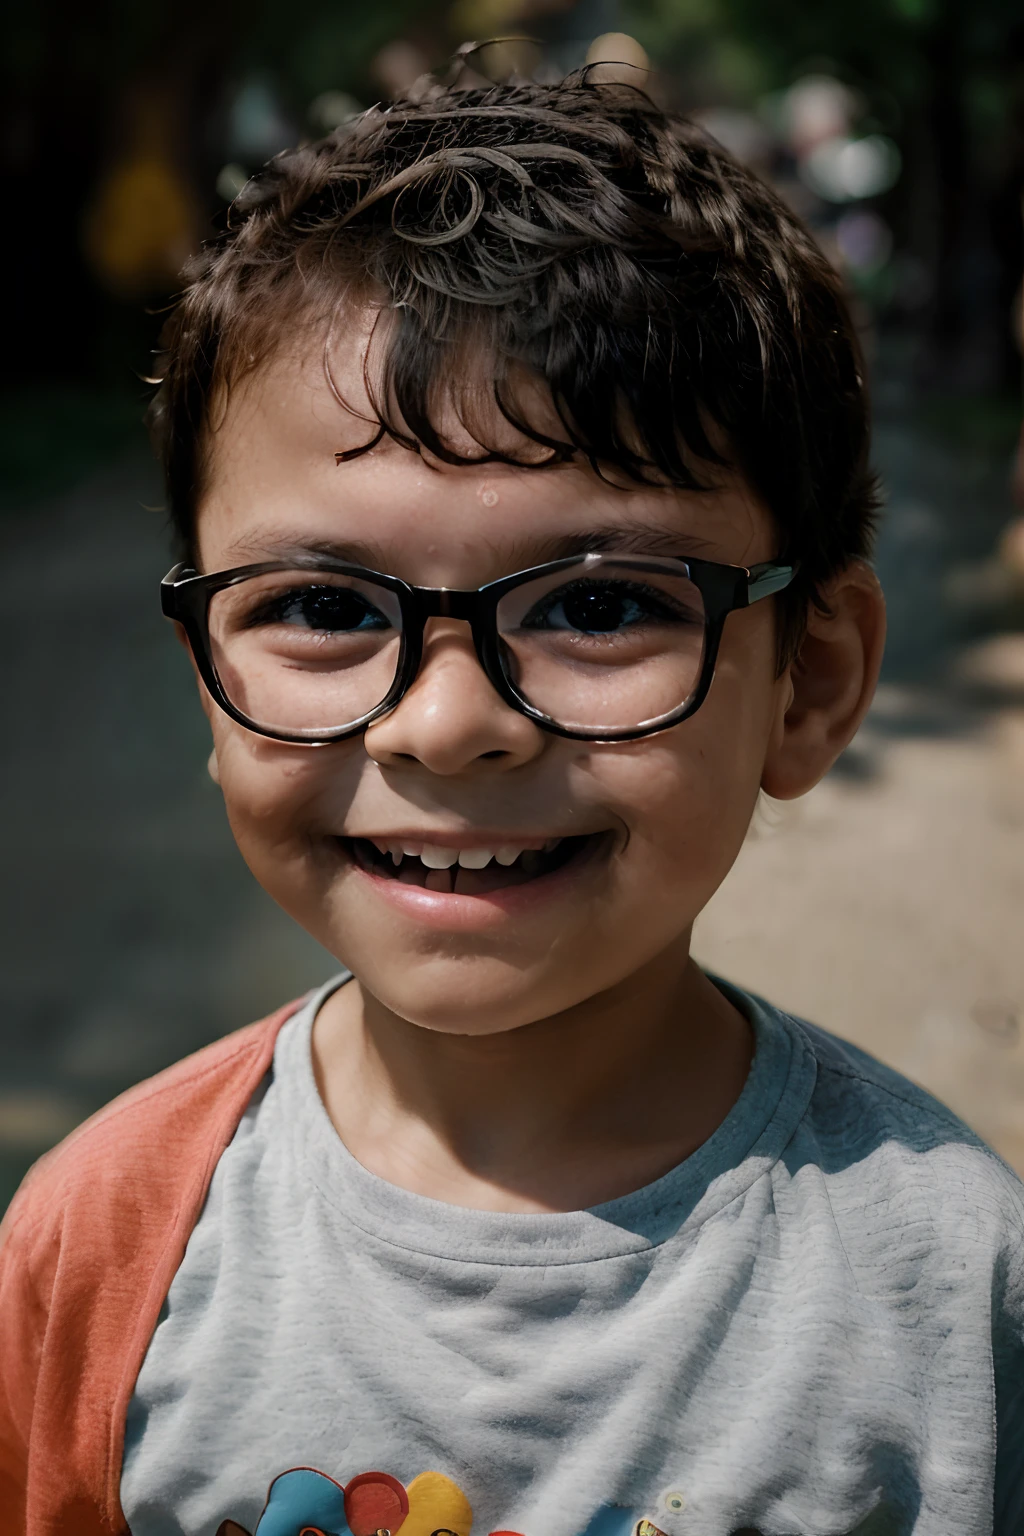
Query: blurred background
[889, 904]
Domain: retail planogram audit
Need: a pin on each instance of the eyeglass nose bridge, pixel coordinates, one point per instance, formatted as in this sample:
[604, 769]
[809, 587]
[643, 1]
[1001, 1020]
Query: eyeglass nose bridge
[473, 607]
[448, 603]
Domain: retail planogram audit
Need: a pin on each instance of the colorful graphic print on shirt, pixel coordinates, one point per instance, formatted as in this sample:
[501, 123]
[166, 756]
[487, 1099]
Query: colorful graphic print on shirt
[305, 1502]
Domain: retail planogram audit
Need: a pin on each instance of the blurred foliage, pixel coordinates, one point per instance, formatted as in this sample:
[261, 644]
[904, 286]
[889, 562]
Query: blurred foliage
[105, 105]
[53, 437]
[893, 46]
[981, 424]
[111, 42]
[945, 79]
[118, 107]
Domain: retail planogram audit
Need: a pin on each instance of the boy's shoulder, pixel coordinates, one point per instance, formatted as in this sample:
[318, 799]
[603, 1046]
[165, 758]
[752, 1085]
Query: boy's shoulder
[882, 1140]
[162, 1132]
[88, 1249]
[885, 1100]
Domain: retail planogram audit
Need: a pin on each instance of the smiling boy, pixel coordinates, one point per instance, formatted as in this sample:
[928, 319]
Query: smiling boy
[518, 449]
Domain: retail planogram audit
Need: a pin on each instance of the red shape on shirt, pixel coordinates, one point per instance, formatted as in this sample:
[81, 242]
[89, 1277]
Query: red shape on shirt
[375, 1501]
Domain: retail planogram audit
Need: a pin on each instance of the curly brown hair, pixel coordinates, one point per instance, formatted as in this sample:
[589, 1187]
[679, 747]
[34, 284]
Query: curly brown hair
[679, 314]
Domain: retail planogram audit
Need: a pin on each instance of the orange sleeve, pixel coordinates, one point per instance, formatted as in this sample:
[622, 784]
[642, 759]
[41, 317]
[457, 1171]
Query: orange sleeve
[88, 1249]
[25, 1283]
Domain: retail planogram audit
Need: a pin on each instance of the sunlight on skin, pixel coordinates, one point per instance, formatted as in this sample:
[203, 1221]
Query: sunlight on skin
[564, 1050]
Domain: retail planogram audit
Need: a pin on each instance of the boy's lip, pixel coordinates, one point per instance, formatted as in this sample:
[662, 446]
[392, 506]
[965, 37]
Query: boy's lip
[453, 911]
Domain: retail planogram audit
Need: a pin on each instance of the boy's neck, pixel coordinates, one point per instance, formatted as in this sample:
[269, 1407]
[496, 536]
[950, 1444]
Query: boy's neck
[558, 1115]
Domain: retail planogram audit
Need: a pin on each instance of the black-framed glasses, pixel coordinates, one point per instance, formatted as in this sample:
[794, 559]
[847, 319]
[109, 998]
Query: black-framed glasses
[598, 647]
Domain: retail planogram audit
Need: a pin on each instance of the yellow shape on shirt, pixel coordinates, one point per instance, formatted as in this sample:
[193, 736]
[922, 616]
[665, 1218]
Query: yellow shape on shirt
[436, 1504]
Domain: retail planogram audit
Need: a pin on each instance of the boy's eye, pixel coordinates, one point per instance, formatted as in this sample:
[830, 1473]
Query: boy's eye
[324, 608]
[606, 607]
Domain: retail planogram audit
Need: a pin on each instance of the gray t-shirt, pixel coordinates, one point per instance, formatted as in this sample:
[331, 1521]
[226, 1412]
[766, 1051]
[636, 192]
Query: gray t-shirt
[815, 1324]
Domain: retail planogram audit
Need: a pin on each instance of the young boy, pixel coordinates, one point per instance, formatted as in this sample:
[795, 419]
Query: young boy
[517, 444]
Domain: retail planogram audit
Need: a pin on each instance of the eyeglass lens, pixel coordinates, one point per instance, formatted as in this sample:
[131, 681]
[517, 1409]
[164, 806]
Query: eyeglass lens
[612, 644]
[305, 652]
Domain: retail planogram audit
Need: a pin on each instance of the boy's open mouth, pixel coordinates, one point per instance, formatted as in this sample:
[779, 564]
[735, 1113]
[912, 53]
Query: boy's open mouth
[467, 871]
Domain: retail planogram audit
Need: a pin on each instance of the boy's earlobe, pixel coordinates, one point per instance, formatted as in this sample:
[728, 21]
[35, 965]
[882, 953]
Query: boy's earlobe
[211, 766]
[829, 685]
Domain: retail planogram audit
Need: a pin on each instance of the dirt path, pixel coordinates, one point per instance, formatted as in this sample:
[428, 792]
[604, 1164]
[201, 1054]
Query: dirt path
[891, 910]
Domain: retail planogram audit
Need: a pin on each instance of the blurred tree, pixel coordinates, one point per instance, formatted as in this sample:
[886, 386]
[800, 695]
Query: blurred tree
[949, 80]
[113, 116]
[945, 78]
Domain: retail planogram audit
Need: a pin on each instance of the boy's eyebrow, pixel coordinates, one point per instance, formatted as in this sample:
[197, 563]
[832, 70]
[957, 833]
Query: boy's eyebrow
[632, 538]
[265, 544]
[623, 538]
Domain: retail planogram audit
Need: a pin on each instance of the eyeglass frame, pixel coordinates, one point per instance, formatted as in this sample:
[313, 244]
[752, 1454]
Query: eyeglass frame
[185, 598]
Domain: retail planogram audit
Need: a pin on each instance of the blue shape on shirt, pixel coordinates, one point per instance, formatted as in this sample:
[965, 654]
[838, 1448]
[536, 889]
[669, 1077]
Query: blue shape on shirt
[303, 1497]
[611, 1520]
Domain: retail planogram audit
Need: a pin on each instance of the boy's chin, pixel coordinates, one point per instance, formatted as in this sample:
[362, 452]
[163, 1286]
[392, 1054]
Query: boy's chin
[475, 995]
[528, 949]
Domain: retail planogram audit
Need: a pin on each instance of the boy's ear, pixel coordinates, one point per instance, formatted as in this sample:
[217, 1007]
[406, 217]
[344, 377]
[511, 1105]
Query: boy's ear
[827, 688]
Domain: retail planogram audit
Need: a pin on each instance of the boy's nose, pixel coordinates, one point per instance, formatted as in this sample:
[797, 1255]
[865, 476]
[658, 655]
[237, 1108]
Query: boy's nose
[452, 719]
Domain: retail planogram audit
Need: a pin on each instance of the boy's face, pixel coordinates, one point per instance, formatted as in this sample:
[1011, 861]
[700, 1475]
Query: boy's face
[453, 765]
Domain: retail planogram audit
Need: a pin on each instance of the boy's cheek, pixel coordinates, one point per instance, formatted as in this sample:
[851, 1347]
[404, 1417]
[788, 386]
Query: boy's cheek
[279, 792]
[688, 807]
[689, 792]
[679, 862]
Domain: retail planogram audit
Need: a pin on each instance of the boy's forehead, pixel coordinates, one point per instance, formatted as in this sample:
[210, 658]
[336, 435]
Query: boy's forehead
[321, 389]
[273, 479]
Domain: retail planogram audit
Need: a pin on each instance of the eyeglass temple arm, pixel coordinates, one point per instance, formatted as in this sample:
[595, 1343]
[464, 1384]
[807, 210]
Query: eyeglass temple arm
[170, 597]
[764, 580]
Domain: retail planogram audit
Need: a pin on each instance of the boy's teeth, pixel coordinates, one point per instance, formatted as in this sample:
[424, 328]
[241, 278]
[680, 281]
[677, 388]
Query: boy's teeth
[475, 858]
[436, 857]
